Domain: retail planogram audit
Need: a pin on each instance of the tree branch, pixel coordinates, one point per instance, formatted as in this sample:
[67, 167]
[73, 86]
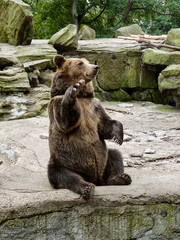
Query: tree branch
[126, 14]
[94, 19]
[151, 10]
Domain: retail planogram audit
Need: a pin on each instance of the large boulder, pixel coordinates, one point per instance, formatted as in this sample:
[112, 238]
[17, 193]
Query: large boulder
[160, 57]
[118, 71]
[66, 39]
[134, 29]
[86, 33]
[173, 37]
[169, 79]
[16, 22]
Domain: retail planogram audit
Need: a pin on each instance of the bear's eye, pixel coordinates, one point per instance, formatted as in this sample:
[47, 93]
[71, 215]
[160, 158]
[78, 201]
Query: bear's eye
[80, 63]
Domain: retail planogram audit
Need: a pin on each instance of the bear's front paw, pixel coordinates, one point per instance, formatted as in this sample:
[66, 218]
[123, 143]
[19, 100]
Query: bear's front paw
[117, 139]
[117, 133]
[75, 90]
[88, 191]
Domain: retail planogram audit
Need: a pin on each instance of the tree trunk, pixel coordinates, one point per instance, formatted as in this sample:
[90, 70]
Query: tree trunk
[128, 9]
[74, 15]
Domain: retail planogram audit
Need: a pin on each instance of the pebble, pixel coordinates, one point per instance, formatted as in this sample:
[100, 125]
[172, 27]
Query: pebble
[43, 136]
[127, 138]
[149, 151]
[151, 139]
[136, 155]
[131, 163]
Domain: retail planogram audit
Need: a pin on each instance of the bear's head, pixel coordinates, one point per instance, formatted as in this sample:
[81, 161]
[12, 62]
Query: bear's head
[70, 71]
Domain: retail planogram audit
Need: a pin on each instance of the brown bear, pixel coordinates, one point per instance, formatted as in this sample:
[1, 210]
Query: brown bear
[79, 125]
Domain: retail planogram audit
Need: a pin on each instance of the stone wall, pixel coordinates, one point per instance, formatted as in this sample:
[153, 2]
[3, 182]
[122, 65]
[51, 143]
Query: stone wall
[129, 73]
[100, 221]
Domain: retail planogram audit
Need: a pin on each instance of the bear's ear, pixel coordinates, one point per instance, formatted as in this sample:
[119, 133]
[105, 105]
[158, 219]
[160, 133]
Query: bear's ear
[59, 60]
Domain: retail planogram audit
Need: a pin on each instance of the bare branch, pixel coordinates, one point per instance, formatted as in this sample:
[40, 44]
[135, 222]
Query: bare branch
[157, 45]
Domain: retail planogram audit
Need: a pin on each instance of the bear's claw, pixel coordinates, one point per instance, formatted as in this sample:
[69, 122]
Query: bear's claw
[120, 179]
[88, 192]
[118, 140]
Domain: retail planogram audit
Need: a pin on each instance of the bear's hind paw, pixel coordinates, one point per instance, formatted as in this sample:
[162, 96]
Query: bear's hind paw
[120, 179]
[88, 192]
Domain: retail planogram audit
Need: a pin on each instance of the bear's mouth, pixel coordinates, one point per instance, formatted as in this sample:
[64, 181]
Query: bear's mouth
[91, 76]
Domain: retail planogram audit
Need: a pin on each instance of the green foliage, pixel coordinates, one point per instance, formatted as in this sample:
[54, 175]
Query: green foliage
[49, 16]
[52, 15]
[156, 17]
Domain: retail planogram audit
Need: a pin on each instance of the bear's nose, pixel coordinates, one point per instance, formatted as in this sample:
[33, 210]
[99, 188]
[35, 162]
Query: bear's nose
[96, 67]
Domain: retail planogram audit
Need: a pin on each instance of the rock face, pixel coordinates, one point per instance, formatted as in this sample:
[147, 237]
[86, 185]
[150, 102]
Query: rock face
[66, 39]
[132, 29]
[16, 22]
[24, 74]
[14, 79]
[160, 57]
[173, 37]
[86, 33]
[148, 209]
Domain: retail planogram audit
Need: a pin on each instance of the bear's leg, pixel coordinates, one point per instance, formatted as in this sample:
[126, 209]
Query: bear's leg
[64, 178]
[114, 172]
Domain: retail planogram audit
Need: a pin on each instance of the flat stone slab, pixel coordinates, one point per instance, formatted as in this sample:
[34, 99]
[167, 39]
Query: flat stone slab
[109, 44]
[31, 209]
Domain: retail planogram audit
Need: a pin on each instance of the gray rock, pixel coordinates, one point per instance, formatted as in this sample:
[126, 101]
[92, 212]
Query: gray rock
[86, 33]
[33, 79]
[171, 70]
[131, 29]
[160, 57]
[16, 22]
[35, 52]
[19, 105]
[14, 79]
[173, 37]
[66, 39]
[169, 83]
[149, 151]
[46, 77]
[136, 154]
[38, 64]
[8, 60]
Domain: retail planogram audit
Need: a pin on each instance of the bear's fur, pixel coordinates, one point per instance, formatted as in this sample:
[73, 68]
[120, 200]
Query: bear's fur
[79, 125]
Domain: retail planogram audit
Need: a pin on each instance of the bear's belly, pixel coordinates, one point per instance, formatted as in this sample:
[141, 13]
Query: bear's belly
[85, 158]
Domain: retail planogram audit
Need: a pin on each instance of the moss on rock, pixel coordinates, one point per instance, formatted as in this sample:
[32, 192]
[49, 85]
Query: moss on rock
[118, 71]
[86, 33]
[159, 57]
[173, 37]
[16, 25]
[66, 39]
[131, 29]
[171, 70]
